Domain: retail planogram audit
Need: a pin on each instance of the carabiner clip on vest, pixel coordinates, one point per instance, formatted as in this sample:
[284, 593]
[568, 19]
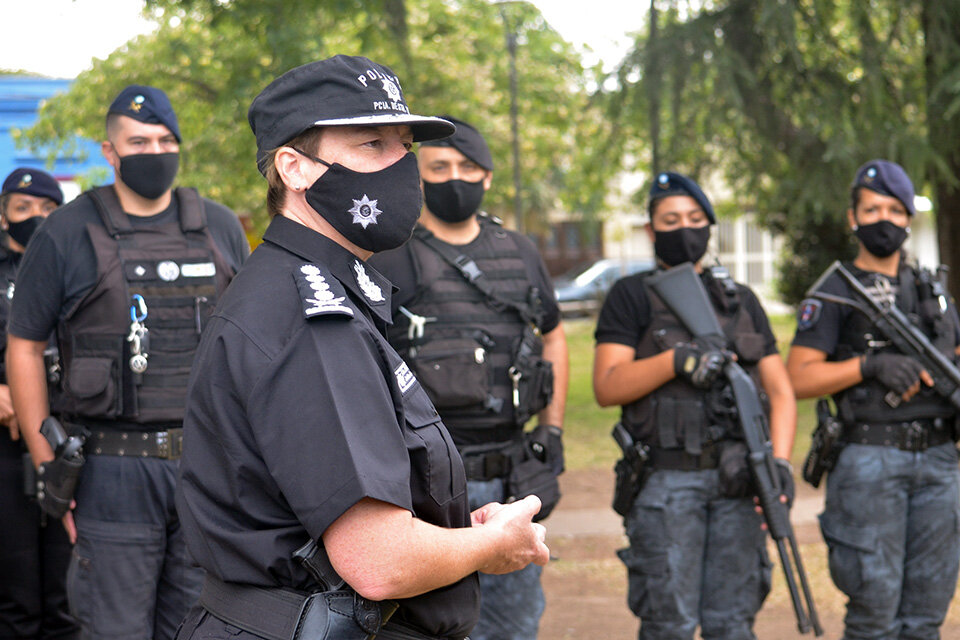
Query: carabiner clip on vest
[139, 336]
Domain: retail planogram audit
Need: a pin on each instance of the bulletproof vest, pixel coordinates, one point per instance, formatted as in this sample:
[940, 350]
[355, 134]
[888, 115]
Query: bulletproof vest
[8, 276]
[455, 308]
[916, 295]
[677, 414]
[178, 271]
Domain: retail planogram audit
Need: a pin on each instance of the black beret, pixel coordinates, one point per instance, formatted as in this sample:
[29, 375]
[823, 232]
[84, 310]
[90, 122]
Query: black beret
[338, 91]
[33, 182]
[468, 141]
[675, 184]
[146, 104]
[888, 179]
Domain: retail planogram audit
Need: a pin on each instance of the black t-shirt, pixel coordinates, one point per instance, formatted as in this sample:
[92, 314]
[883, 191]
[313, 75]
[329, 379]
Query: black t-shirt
[297, 409]
[59, 267]
[626, 314]
[399, 266]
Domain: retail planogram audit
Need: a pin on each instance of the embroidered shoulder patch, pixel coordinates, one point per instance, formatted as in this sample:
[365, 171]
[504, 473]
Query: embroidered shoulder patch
[321, 293]
[808, 314]
[369, 287]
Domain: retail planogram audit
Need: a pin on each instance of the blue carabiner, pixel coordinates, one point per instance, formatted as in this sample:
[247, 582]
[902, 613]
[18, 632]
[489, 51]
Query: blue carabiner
[138, 310]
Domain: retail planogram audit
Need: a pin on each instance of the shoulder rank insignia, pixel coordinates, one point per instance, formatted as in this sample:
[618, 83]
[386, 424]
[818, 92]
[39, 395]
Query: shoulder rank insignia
[321, 294]
[368, 286]
[809, 314]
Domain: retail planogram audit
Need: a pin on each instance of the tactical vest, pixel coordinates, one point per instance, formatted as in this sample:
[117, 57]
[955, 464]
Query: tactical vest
[179, 272]
[8, 276]
[456, 309]
[677, 414]
[917, 296]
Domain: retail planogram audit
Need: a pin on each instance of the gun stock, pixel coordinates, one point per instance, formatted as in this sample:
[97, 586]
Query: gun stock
[682, 291]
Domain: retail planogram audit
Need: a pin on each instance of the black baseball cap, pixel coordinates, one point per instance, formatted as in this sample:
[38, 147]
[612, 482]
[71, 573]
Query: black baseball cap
[146, 104]
[468, 141]
[33, 182]
[888, 179]
[676, 184]
[339, 91]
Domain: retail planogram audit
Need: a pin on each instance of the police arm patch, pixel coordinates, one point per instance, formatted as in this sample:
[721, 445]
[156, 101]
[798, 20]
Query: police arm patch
[320, 293]
[808, 315]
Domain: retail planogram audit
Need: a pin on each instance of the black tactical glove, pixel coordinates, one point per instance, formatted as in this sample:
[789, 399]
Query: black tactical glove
[896, 372]
[547, 445]
[698, 364]
[785, 472]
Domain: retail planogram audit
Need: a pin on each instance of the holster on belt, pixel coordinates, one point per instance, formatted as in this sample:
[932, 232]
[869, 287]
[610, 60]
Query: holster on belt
[57, 479]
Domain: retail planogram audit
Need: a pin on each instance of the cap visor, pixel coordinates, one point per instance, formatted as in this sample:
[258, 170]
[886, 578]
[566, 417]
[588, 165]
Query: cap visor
[424, 127]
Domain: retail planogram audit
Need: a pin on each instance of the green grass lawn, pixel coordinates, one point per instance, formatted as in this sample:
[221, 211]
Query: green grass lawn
[587, 427]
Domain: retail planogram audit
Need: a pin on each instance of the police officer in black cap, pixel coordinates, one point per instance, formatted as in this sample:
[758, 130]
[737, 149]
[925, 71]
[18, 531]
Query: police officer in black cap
[697, 552]
[126, 274]
[319, 487]
[473, 297]
[892, 497]
[35, 550]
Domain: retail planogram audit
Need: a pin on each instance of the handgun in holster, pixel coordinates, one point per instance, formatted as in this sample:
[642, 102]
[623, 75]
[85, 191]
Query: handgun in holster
[57, 479]
[631, 470]
[825, 446]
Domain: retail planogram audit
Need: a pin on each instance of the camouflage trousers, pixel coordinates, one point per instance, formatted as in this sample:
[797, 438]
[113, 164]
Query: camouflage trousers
[695, 559]
[891, 523]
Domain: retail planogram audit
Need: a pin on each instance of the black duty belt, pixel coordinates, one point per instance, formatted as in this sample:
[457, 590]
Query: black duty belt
[141, 444]
[918, 435]
[680, 460]
[274, 613]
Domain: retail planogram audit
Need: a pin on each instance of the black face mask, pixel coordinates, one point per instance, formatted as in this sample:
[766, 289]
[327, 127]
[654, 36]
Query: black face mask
[882, 238]
[376, 211]
[21, 231]
[149, 175]
[453, 200]
[686, 244]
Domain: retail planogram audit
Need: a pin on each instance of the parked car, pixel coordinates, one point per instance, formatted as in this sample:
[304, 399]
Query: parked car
[581, 290]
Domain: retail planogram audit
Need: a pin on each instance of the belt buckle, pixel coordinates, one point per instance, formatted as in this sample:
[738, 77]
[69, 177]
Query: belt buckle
[915, 437]
[169, 444]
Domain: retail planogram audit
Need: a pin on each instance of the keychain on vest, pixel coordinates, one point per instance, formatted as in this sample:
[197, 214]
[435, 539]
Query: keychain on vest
[139, 337]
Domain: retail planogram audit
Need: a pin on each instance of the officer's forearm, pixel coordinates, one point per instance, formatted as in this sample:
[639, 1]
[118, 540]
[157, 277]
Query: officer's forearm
[812, 375]
[783, 404]
[555, 352]
[620, 379]
[28, 389]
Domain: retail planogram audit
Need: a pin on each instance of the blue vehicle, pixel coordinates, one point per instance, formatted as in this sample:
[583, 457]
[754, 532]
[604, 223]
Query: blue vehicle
[581, 290]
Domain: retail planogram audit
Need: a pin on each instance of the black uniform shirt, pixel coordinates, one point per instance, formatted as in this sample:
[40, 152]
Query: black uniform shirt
[60, 267]
[625, 315]
[297, 409]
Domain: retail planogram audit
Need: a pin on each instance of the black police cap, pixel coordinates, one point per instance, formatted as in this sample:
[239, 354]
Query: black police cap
[888, 179]
[146, 104]
[338, 91]
[33, 182]
[675, 184]
[468, 141]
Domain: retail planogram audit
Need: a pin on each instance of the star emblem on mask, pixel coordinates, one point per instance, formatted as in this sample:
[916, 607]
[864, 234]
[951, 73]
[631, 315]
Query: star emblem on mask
[364, 211]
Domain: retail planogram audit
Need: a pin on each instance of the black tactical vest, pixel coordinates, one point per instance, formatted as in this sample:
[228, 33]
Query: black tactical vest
[677, 414]
[915, 297]
[179, 272]
[455, 308]
[8, 276]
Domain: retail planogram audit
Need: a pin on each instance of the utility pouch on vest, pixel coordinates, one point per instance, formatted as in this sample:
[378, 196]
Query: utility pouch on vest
[454, 372]
[825, 447]
[531, 377]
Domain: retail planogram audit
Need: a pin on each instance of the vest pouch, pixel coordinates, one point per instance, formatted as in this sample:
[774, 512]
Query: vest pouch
[531, 376]
[93, 384]
[454, 372]
[530, 476]
[749, 348]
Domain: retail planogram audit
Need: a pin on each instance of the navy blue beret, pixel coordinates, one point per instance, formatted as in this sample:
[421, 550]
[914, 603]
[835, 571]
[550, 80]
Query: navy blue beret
[468, 141]
[675, 184]
[888, 179]
[339, 91]
[33, 182]
[146, 104]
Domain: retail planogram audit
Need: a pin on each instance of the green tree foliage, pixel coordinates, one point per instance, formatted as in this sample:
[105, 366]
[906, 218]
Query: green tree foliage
[783, 100]
[213, 56]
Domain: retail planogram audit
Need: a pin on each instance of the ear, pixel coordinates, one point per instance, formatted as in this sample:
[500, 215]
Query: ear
[106, 148]
[287, 162]
[648, 227]
[487, 180]
[851, 219]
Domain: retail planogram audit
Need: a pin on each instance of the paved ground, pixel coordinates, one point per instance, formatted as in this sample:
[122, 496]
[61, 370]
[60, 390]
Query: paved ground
[586, 583]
